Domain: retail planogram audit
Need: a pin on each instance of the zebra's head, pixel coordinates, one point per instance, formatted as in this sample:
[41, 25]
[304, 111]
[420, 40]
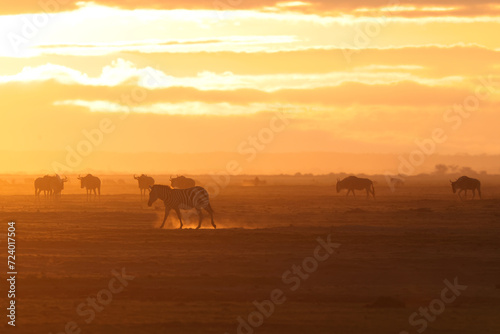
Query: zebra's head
[153, 195]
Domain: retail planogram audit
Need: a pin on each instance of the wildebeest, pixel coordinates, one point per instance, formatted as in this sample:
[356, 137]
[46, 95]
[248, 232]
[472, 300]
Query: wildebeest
[144, 183]
[91, 183]
[396, 181]
[50, 185]
[465, 183]
[196, 197]
[57, 185]
[182, 182]
[43, 184]
[352, 183]
[254, 182]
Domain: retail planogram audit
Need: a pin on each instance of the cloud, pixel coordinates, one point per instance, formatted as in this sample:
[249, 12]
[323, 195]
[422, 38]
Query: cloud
[237, 31]
[434, 62]
[426, 7]
[121, 72]
[183, 108]
[347, 94]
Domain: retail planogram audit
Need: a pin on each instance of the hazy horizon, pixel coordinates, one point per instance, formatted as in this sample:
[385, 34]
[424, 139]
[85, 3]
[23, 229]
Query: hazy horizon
[216, 162]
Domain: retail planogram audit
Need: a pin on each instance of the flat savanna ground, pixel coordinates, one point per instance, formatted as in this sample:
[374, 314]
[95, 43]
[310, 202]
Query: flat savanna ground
[400, 247]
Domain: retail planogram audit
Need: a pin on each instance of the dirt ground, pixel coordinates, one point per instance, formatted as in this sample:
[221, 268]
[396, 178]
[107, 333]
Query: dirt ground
[393, 258]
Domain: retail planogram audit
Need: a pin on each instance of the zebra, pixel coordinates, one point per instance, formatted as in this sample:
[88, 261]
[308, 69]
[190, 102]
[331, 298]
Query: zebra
[195, 197]
[182, 182]
[144, 183]
[352, 183]
[91, 183]
[465, 183]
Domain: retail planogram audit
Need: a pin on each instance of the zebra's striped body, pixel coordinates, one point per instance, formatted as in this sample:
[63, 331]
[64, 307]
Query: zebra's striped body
[195, 197]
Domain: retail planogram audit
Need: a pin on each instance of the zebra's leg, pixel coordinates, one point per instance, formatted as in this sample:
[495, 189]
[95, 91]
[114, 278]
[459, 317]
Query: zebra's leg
[211, 212]
[178, 211]
[479, 192]
[200, 215]
[167, 211]
[473, 193]
[348, 191]
[459, 194]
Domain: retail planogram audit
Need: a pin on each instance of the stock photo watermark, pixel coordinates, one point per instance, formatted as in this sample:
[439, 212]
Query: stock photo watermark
[249, 149]
[436, 307]
[453, 118]
[88, 310]
[93, 138]
[222, 7]
[292, 279]
[32, 25]
[370, 30]
[11, 273]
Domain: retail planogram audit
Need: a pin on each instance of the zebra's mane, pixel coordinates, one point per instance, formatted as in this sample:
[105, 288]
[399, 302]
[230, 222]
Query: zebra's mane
[162, 186]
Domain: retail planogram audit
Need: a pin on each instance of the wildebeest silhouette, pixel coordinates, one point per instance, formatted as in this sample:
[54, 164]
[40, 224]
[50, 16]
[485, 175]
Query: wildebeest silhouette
[144, 183]
[90, 183]
[51, 185]
[352, 183]
[57, 185]
[196, 197]
[182, 182]
[465, 183]
[43, 184]
[396, 181]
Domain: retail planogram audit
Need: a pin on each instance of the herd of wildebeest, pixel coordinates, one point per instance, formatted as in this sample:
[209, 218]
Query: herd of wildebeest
[182, 193]
[52, 185]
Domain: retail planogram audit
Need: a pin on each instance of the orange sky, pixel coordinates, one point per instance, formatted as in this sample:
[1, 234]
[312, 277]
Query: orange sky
[366, 76]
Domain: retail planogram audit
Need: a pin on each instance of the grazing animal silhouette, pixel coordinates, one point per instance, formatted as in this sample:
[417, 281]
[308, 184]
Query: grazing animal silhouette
[51, 185]
[182, 182]
[91, 183]
[57, 185]
[396, 181]
[43, 184]
[465, 183]
[144, 183]
[352, 183]
[196, 197]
